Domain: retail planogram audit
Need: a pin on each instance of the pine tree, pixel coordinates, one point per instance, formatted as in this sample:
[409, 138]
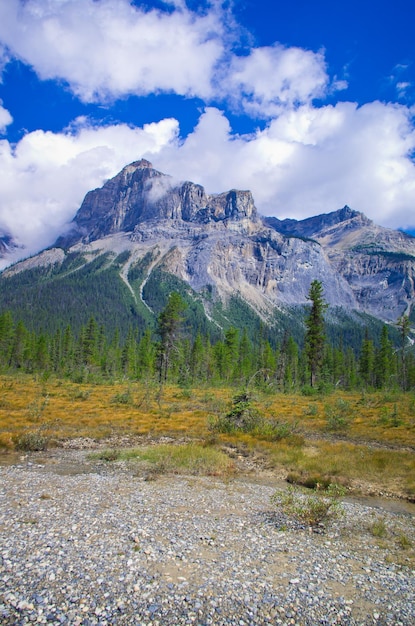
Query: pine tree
[68, 351]
[198, 360]
[129, 355]
[245, 358]
[231, 353]
[383, 360]
[315, 336]
[266, 362]
[220, 367]
[6, 337]
[367, 361]
[145, 356]
[350, 370]
[18, 347]
[169, 323]
[404, 326]
[42, 353]
[90, 342]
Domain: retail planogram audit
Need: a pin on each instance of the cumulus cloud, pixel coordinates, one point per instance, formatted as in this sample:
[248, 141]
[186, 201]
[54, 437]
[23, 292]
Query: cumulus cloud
[275, 76]
[5, 118]
[306, 162]
[309, 161]
[110, 48]
[46, 175]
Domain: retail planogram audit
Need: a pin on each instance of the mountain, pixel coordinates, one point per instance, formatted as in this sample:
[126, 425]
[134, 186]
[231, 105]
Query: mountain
[7, 244]
[377, 264]
[143, 234]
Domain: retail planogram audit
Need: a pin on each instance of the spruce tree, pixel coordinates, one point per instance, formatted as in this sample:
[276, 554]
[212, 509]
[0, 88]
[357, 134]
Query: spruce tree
[315, 336]
[384, 356]
[146, 356]
[367, 360]
[231, 352]
[6, 337]
[169, 323]
[404, 326]
[198, 359]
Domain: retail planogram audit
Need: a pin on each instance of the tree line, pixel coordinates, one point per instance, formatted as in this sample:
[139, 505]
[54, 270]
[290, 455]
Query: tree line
[170, 354]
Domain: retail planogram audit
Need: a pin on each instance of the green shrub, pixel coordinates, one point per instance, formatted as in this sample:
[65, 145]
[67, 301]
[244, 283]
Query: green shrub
[81, 394]
[190, 458]
[338, 415]
[311, 481]
[33, 441]
[106, 455]
[123, 398]
[243, 417]
[311, 410]
[378, 528]
[404, 542]
[310, 509]
[389, 417]
[309, 391]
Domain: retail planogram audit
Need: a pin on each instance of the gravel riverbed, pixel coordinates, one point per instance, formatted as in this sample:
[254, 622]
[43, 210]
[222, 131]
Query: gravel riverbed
[87, 543]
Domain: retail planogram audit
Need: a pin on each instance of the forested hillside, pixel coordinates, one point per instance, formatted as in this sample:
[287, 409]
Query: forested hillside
[192, 355]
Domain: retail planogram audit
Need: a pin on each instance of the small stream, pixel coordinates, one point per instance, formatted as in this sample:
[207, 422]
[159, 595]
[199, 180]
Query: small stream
[75, 462]
[62, 464]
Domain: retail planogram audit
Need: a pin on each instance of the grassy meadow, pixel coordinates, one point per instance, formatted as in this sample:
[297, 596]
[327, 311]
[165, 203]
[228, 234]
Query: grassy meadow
[365, 441]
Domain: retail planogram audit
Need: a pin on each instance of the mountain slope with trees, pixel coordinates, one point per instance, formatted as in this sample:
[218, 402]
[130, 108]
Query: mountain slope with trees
[144, 236]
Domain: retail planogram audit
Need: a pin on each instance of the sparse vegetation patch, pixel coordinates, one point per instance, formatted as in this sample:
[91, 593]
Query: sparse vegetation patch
[190, 458]
[313, 509]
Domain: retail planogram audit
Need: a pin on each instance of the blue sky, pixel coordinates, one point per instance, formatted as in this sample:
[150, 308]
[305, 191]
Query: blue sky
[311, 105]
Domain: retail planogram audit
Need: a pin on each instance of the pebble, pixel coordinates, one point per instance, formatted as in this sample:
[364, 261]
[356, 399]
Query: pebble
[106, 548]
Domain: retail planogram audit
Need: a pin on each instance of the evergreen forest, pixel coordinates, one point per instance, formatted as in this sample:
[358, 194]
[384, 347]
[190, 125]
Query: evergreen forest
[172, 351]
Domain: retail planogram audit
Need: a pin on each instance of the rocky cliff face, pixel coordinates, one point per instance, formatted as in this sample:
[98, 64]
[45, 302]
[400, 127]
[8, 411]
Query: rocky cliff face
[218, 244]
[7, 244]
[140, 194]
[378, 264]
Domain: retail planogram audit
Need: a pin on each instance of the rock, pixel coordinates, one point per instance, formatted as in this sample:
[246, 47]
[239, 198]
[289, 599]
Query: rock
[219, 245]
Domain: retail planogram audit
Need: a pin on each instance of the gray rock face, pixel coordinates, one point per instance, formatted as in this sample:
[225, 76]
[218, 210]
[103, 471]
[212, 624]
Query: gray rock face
[140, 193]
[7, 244]
[319, 225]
[219, 244]
[378, 264]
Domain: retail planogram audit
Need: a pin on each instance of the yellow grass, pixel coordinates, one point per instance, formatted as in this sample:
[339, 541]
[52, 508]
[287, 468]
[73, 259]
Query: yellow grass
[60, 410]
[189, 458]
[67, 410]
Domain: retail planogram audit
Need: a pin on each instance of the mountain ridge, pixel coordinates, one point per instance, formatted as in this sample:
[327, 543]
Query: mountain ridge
[139, 193]
[7, 244]
[219, 247]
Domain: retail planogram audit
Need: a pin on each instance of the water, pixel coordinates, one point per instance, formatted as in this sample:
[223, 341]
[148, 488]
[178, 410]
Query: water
[74, 462]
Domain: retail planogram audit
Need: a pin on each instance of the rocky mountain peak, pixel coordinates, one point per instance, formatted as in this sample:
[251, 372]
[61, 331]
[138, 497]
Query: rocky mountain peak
[218, 245]
[320, 225]
[7, 244]
[141, 194]
[141, 164]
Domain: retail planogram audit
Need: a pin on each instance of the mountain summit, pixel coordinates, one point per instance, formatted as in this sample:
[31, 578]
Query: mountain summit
[152, 233]
[140, 194]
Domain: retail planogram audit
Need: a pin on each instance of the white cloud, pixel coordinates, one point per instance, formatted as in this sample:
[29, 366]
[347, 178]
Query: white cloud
[275, 76]
[308, 161]
[402, 88]
[109, 48]
[5, 118]
[4, 59]
[46, 176]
